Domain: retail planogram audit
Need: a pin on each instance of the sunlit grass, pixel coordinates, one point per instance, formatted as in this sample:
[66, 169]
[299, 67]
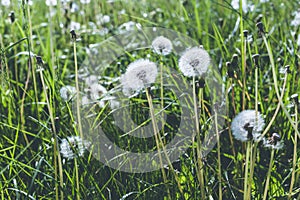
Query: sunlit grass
[34, 118]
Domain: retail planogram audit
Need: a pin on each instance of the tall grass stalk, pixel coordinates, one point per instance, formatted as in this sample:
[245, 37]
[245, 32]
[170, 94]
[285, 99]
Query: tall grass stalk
[55, 146]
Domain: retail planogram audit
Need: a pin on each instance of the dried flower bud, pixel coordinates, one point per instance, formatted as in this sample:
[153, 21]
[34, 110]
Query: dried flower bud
[73, 35]
[39, 60]
[260, 27]
[234, 61]
[245, 32]
[12, 16]
[221, 22]
[200, 83]
[295, 98]
[230, 70]
[255, 58]
[259, 18]
[287, 69]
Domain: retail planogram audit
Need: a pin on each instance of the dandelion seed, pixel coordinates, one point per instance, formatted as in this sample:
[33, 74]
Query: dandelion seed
[162, 45]
[67, 92]
[194, 62]
[273, 142]
[73, 146]
[247, 126]
[139, 74]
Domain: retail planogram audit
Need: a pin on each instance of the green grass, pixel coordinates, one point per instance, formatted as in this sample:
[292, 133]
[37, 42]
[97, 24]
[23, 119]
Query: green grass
[34, 118]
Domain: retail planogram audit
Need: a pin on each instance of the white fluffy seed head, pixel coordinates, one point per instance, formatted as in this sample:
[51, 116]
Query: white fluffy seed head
[139, 74]
[162, 45]
[194, 62]
[247, 125]
[73, 146]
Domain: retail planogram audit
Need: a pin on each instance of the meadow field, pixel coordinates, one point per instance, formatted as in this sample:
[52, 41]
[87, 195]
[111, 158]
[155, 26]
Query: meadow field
[153, 100]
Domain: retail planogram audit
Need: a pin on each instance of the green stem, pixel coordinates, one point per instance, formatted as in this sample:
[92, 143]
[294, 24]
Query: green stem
[156, 132]
[268, 175]
[55, 147]
[77, 179]
[219, 157]
[247, 170]
[199, 153]
[276, 84]
[77, 91]
[294, 155]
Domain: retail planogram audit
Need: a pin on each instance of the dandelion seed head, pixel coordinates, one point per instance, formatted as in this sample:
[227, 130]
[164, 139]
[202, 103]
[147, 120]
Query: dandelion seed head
[162, 45]
[5, 3]
[73, 146]
[236, 5]
[75, 26]
[296, 21]
[247, 126]
[273, 142]
[67, 92]
[194, 62]
[139, 74]
[97, 91]
[85, 1]
[91, 80]
[51, 2]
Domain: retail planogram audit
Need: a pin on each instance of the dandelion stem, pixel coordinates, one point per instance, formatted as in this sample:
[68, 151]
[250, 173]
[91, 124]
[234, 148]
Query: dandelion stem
[268, 175]
[247, 170]
[267, 43]
[77, 179]
[162, 96]
[155, 129]
[199, 153]
[219, 156]
[266, 130]
[77, 91]
[243, 52]
[294, 154]
[253, 150]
